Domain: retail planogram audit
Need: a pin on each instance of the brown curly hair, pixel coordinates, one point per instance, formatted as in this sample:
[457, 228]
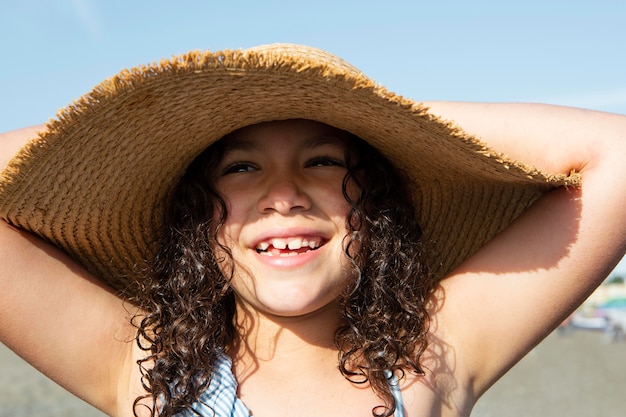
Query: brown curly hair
[189, 305]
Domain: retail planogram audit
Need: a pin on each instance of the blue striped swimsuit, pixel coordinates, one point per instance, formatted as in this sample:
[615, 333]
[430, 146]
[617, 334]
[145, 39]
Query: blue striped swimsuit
[220, 399]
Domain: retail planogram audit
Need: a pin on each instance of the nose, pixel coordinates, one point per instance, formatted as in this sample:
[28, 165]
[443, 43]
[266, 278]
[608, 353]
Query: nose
[284, 195]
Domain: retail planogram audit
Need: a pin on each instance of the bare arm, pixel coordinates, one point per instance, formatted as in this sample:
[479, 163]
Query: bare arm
[61, 319]
[515, 290]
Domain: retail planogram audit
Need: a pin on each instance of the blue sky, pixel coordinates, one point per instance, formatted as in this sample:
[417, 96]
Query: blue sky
[567, 52]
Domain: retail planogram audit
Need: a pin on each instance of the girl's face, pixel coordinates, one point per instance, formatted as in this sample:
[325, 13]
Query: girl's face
[282, 184]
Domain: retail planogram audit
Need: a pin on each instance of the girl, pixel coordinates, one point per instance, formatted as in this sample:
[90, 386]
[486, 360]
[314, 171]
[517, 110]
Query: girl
[268, 232]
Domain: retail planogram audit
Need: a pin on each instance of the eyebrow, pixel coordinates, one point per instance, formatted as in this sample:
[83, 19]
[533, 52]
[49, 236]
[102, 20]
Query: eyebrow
[325, 140]
[238, 144]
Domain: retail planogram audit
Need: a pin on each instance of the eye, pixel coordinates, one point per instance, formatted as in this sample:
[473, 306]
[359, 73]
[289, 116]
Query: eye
[239, 167]
[325, 161]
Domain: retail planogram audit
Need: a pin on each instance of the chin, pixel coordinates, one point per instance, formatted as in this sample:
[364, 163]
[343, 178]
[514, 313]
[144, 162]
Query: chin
[294, 309]
[290, 306]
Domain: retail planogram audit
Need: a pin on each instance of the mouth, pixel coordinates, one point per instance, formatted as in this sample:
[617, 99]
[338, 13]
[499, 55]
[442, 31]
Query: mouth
[290, 246]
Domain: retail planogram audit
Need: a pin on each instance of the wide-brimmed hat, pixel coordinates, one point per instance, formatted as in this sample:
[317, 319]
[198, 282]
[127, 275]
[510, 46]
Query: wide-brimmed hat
[97, 180]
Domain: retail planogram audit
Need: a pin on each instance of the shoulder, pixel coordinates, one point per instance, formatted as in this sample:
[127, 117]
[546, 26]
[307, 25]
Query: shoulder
[11, 142]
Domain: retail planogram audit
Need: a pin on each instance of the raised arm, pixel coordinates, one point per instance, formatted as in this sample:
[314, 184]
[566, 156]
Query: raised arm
[61, 319]
[515, 290]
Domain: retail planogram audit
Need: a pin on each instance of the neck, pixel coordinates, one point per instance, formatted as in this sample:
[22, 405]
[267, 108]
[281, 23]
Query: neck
[284, 342]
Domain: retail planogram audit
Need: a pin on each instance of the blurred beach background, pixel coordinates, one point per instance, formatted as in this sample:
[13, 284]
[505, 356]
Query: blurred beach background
[577, 371]
[563, 52]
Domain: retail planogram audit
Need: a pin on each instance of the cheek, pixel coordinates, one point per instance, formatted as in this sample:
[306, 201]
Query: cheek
[237, 203]
[232, 214]
[344, 206]
[331, 196]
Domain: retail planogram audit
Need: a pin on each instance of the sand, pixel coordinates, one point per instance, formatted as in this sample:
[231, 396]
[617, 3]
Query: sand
[577, 375]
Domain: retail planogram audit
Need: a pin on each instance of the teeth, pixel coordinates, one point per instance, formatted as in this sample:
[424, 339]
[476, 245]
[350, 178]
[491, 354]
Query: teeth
[292, 244]
[279, 243]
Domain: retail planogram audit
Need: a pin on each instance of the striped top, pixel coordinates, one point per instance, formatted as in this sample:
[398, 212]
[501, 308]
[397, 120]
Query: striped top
[220, 399]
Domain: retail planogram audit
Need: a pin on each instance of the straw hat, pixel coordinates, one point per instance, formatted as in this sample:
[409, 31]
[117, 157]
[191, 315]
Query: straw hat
[96, 182]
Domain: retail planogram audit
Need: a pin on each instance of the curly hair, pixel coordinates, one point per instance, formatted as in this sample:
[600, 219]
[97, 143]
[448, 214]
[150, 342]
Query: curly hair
[189, 305]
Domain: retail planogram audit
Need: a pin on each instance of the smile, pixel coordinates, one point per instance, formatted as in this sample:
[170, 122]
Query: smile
[291, 246]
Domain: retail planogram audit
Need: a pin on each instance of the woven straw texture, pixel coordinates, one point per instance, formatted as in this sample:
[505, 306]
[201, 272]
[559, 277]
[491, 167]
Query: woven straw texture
[96, 182]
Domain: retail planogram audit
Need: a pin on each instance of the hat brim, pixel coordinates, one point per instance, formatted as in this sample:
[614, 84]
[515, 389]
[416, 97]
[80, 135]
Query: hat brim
[97, 181]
